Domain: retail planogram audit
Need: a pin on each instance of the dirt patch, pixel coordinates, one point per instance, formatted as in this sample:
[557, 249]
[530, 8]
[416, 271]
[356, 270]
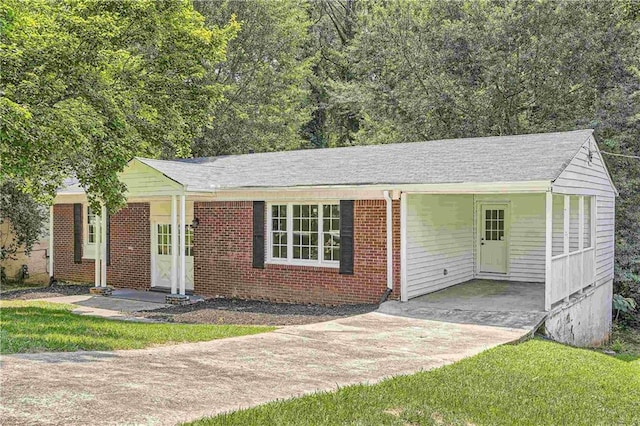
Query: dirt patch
[233, 311]
[55, 290]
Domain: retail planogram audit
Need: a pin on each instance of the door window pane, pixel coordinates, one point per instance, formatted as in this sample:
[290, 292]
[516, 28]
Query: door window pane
[494, 225]
[164, 239]
[91, 226]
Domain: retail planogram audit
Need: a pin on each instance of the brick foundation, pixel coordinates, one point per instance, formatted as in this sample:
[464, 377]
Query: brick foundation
[130, 248]
[223, 259]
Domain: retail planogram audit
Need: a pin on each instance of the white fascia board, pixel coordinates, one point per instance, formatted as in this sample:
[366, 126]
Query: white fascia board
[440, 188]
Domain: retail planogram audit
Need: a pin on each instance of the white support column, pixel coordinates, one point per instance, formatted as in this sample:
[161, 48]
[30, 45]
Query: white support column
[96, 262]
[174, 244]
[103, 246]
[403, 247]
[548, 245]
[181, 233]
[581, 237]
[51, 242]
[565, 239]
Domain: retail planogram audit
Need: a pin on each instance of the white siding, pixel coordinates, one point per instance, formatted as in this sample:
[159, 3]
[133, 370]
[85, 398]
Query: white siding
[142, 180]
[591, 178]
[439, 237]
[583, 177]
[605, 238]
[526, 235]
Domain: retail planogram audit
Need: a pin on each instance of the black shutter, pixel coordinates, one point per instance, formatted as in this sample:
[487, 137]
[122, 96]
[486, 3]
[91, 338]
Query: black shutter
[108, 232]
[77, 233]
[258, 234]
[346, 237]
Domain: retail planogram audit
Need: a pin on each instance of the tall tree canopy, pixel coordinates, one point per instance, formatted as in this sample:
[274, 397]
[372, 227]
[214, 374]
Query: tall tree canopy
[264, 78]
[88, 84]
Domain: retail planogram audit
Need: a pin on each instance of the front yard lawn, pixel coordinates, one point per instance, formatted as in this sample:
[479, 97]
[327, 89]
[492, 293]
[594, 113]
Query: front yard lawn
[533, 383]
[40, 326]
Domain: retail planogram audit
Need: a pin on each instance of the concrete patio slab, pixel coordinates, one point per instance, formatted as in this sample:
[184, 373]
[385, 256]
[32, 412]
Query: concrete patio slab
[105, 307]
[170, 384]
[483, 302]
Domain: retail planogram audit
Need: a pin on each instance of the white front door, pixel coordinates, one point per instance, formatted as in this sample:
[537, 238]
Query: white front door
[493, 238]
[161, 262]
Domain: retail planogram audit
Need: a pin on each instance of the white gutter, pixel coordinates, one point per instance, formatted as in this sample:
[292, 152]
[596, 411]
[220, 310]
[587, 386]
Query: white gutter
[387, 198]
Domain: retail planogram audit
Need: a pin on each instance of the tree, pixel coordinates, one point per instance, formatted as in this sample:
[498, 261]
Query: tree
[25, 218]
[335, 117]
[264, 78]
[86, 85]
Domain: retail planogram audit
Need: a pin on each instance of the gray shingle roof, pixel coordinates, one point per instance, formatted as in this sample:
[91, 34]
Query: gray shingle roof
[534, 157]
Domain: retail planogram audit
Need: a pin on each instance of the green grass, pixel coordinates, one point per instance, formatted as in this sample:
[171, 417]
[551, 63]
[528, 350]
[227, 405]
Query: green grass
[625, 341]
[51, 327]
[17, 285]
[533, 383]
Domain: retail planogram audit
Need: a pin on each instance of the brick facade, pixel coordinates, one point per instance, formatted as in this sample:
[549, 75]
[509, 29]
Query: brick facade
[130, 248]
[223, 259]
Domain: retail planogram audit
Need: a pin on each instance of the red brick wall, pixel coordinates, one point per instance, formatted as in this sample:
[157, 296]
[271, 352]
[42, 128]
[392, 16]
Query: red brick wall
[130, 248]
[223, 258]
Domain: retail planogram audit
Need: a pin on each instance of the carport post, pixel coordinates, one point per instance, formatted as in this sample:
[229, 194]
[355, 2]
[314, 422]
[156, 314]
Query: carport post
[181, 234]
[103, 246]
[403, 247]
[51, 242]
[98, 235]
[548, 236]
[174, 244]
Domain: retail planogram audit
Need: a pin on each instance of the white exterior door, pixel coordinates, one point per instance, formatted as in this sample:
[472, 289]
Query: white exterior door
[493, 238]
[161, 259]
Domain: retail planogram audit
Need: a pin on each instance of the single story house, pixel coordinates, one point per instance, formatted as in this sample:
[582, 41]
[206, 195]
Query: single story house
[356, 224]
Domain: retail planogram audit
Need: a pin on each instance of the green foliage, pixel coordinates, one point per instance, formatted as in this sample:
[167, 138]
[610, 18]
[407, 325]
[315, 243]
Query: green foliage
[25, 219]
[39, 326]
[422, 70]
[88, 84]
[623, 305]
[264, 78]
[534, 383]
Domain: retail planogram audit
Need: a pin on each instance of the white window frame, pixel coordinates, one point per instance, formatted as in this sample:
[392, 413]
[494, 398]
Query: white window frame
[88, 249]
[290, 260]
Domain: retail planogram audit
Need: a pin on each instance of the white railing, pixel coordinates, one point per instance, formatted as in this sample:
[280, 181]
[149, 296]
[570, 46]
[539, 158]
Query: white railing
[571, 273]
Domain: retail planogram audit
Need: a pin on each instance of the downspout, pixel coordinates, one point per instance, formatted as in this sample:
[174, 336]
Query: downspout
[389, 289]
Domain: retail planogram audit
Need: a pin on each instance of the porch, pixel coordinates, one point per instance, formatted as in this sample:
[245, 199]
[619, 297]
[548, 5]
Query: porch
[541, 244]
[497, 303]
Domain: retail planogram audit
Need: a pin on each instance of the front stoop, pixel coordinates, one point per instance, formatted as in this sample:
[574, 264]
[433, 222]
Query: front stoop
[177, 299]
[101, 291]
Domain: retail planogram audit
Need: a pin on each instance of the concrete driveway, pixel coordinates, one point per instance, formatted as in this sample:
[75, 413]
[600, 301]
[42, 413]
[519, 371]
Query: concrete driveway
[169, 384]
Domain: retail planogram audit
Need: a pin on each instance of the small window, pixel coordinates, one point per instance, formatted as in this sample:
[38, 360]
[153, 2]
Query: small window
[91, 226]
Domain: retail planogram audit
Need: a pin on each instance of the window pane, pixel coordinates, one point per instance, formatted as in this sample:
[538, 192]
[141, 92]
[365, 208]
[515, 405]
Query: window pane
[279, 231]
[331, 232]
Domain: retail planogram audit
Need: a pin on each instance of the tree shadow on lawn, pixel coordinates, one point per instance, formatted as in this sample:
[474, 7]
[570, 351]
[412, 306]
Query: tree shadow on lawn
[30, 329]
